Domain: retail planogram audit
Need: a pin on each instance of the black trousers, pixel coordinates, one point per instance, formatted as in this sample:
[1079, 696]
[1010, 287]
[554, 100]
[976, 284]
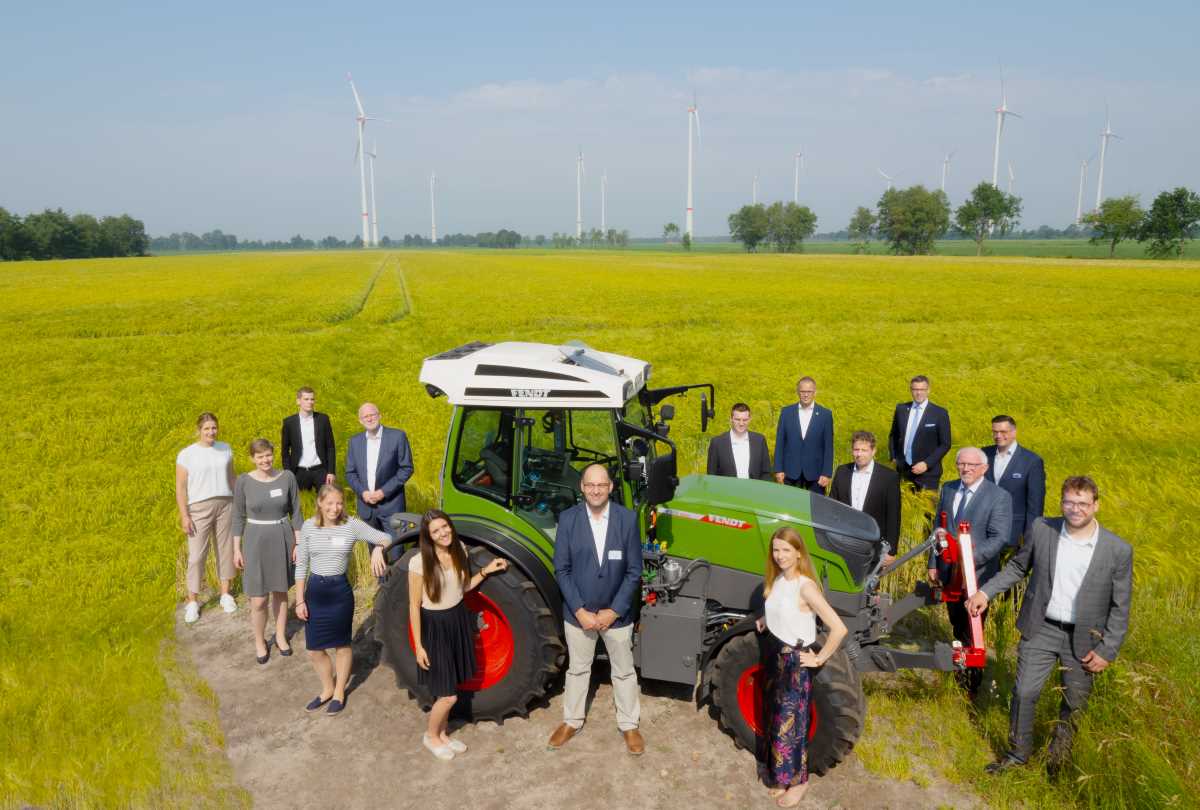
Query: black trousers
[960, 620]
[312, 478]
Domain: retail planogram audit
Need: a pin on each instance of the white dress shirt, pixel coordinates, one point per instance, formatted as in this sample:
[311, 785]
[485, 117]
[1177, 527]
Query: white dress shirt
[599, 530]
[741, 453]
[806, 415]
[373, 445]
[859, 481]
[910, 432]
[308, 439]
[1070, 566]
[1001, 462]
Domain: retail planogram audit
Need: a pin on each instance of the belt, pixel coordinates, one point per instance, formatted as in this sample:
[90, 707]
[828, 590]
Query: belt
[313, 467]
[1068, 627]
[267, 522]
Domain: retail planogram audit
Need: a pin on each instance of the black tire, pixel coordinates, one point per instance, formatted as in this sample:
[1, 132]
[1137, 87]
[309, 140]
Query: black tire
[538, 651]
[837, 699]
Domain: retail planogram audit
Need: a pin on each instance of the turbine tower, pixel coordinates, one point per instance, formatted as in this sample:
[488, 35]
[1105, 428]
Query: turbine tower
[754, 190]
[360, 153]
[693, 113]
[1105, 136]
[579, 196]
[799, 164]
[433, 207]
[374, 214]
[604, 201]
[946, 169]
[1083, 167]
[1010, 177]
[1001, 113]
[887, 177]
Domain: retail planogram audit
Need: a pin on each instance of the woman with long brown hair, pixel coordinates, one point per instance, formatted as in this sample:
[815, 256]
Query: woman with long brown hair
[793, 601]
[438, 578]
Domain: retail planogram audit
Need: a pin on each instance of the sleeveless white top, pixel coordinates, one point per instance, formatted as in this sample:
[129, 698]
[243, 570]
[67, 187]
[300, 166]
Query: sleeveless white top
[786, 621]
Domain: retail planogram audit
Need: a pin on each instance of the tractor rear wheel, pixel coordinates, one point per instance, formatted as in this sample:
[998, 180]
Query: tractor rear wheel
[517, 649]
[837, 706]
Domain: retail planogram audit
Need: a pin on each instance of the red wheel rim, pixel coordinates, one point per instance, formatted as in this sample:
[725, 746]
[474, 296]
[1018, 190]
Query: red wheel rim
[494, 649]
[750, 701]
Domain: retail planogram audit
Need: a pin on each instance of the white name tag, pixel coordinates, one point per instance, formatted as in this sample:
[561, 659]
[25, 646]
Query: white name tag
[277, 493]
[339, 542]
[614, 554]
[1016, 475]
[931, 424]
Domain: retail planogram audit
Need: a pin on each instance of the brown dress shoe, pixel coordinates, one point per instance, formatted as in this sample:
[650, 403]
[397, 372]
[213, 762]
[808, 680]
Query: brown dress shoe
[560, 736]
[634, 742]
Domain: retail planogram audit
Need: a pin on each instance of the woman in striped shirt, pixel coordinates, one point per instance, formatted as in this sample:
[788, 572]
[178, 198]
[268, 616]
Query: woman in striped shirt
[324, 597]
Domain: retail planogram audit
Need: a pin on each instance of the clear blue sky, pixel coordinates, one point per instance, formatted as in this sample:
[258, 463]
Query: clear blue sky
[238, 116]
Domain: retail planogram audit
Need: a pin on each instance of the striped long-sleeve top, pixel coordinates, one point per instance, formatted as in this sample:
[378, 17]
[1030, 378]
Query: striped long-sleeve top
[326, 551]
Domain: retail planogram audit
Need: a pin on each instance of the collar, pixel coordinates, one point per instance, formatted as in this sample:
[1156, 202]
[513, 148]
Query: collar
[733, 437]
[972, 489]
[870, 469]
[919, 405]
[603, 515]
[378, 434]
[307, 416]
[1064, 534]
[811, 407]
[1010, 452]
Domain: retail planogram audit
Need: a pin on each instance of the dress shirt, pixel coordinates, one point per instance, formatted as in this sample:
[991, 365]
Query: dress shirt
[910, 433]
[958, 496]
[741, 453]
[1001, 462]
[373, 445]
[859, 481]
[806, 415]
[1070, 565]
[599, 530]
[308, 439]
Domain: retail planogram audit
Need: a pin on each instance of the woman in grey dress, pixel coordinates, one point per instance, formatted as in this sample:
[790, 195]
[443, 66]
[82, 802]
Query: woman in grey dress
[266, 525]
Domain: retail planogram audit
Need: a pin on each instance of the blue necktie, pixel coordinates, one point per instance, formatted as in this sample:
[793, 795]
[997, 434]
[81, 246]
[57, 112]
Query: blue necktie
[914, 422]
[962, 507]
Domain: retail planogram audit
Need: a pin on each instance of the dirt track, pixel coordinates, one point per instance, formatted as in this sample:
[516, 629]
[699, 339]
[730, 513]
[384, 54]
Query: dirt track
[371, 756]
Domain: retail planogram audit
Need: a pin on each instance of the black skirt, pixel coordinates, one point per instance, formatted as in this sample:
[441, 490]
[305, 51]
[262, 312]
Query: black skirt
[449, 641]
[330, 611]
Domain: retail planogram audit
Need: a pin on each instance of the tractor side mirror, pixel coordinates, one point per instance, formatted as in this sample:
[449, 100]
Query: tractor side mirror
[665, 414]
[706, 413]
[662, 479]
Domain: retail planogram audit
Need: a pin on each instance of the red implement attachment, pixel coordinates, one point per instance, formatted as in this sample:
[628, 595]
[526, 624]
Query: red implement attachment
[959, 553]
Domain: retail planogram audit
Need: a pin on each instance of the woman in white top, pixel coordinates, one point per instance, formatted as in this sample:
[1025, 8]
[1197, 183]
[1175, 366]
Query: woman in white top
[794, 600]
[443, 639]
[204, 497]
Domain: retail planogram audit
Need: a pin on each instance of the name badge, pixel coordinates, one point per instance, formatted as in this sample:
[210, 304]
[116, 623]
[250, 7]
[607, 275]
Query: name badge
[931, 424]
[1016, 475]
[277, 493]
[338, 542]
[614, 554]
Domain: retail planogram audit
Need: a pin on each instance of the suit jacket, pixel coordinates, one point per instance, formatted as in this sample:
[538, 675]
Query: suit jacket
[586, 582]
[882, 501]
[1024, 480]
[720, 456]
[291, 443]
[989, 512]
[809, 457]
[393, 470]
[1102, 605]
[930, 445]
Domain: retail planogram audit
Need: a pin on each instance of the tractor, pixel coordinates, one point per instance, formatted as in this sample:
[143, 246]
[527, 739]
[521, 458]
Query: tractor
[528, 418]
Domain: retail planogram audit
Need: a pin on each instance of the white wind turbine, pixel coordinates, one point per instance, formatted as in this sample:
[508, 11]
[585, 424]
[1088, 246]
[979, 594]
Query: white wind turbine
[604, 201]
[579, 196]
[433, 207]
[1106, 135]
[1010, 177]
[1002, 112]
[799, 164]
[946, 169]
[887, 177]
[374, 214]
[1083, 168]
[693, 113]
[360, 153]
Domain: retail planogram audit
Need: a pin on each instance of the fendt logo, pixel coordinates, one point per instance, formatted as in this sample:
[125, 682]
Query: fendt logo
[529, 393]
[717, 520]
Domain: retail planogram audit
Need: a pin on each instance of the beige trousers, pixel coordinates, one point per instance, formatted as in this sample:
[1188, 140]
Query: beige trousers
[581, 649]
[211, 517]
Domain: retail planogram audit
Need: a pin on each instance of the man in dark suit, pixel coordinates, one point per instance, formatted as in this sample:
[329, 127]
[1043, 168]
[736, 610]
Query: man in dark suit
[378, 465]
[988, 509]
[740, 453]
[1074, 616]
[804, 441]
[1020, 472]
[920, 437]
[307, 443]
[598, 566]
[871, 488]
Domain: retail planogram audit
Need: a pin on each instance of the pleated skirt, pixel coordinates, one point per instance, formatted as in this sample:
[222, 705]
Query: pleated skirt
[330, 611]
[449, 641]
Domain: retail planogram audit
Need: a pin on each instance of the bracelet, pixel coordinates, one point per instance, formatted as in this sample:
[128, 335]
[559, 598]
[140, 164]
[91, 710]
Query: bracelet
[301, 602]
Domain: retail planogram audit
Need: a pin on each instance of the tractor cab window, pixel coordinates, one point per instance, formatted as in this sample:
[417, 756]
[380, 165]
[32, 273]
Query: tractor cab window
[483, 460]
[554, 446]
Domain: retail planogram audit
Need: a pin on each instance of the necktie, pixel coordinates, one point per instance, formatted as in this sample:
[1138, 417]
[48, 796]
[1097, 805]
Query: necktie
[914, 419]
[961, 512]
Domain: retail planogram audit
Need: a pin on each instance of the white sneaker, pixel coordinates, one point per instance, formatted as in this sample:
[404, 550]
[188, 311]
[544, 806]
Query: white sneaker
[191, 614]
[442, 752]
[457, 747]
[228, 604]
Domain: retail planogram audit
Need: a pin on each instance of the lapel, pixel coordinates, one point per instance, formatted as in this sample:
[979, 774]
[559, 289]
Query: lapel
[1053, 561]
[383, 443]
[872, 485]
[610, 539]
[1098, 563]
[727, 451]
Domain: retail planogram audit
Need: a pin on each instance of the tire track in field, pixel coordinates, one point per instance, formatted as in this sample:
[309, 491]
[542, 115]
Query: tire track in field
[355, 310]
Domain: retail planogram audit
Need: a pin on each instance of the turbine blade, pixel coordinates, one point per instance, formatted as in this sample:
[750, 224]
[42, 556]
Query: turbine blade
[357, 100]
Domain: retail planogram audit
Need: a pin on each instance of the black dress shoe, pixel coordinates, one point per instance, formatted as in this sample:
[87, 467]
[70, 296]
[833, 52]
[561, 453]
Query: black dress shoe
[262, 659]
[1003, 764]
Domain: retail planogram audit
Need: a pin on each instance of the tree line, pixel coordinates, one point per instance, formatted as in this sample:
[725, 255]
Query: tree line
[53, 234]
[783, 226]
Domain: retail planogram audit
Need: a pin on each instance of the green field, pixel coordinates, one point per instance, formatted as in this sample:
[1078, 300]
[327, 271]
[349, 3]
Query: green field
[115, 358]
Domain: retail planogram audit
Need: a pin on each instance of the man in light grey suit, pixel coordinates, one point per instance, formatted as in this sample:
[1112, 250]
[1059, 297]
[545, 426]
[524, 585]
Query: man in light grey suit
[1075, 615]
[988, 509]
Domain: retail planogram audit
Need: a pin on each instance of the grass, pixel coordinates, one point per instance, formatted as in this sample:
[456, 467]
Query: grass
[115, 358]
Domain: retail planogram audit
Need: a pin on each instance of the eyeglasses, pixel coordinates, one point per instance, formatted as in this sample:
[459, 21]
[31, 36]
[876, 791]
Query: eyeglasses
[970, 464]
[1081, 506]
[605, 485]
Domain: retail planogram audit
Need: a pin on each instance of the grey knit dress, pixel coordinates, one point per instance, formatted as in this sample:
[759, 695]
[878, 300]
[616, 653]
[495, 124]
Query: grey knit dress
[265, 515]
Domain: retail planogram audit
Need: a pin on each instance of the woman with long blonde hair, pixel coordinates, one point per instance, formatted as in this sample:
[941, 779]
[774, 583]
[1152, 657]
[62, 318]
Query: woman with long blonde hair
[794, 600]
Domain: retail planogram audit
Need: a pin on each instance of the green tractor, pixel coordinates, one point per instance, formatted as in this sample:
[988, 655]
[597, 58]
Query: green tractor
[528, 418]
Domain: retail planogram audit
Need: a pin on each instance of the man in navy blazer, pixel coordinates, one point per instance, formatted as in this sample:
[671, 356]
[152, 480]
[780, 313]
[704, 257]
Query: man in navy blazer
[378, 464]
[804, 441]
[598, 566]
[920, 437]
[1020, 472]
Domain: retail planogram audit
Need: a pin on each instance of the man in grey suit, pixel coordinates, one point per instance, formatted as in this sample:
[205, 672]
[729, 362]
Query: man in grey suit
[740, 453]
[988, 509]
[379, 463]
[1075, 615]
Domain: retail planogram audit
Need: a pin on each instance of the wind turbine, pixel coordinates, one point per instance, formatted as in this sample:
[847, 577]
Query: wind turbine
[579, 196]
[799, 164]
[1010, 177]
[946, 169]
[374, 215]
[693, 113]
[1001, 113]
[1105, 136]
[433, 207]
[604, 201]
[887, 177]
[360, 153]
[1083, 167]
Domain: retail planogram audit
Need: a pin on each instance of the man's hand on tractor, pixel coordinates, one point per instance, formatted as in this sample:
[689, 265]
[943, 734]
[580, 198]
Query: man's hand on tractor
[779, 478]
[823, 482]
[977, 603]
[1094, 663]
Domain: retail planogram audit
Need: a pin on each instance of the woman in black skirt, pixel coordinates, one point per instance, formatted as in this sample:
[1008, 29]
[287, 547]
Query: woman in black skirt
[438, 577]
[324, 597]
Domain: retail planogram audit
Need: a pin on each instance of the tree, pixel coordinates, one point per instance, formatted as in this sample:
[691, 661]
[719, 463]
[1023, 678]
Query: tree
[748, 225]
[910, 220]
[988, 208]
[14, 239]
[687, 241]
[669, 230]
[861, 228]
[1172, 220]
[789, 224]
[1118, 219]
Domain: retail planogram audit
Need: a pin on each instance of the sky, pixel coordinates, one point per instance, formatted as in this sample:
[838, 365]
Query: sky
[238, 116]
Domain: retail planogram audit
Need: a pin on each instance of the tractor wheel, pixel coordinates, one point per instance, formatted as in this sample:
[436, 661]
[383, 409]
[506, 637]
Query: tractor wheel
[517, 650]
[838, 706]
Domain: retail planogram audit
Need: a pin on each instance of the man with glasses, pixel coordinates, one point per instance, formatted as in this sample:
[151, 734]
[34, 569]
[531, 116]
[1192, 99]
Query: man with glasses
[1074, 616]
[988, 508]
[920, 437]
[804, 441]
[1018, 471]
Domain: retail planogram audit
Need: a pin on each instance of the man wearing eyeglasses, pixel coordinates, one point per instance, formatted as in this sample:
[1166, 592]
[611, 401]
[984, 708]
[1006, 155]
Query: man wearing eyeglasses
[988, 508]
[1074, 616]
